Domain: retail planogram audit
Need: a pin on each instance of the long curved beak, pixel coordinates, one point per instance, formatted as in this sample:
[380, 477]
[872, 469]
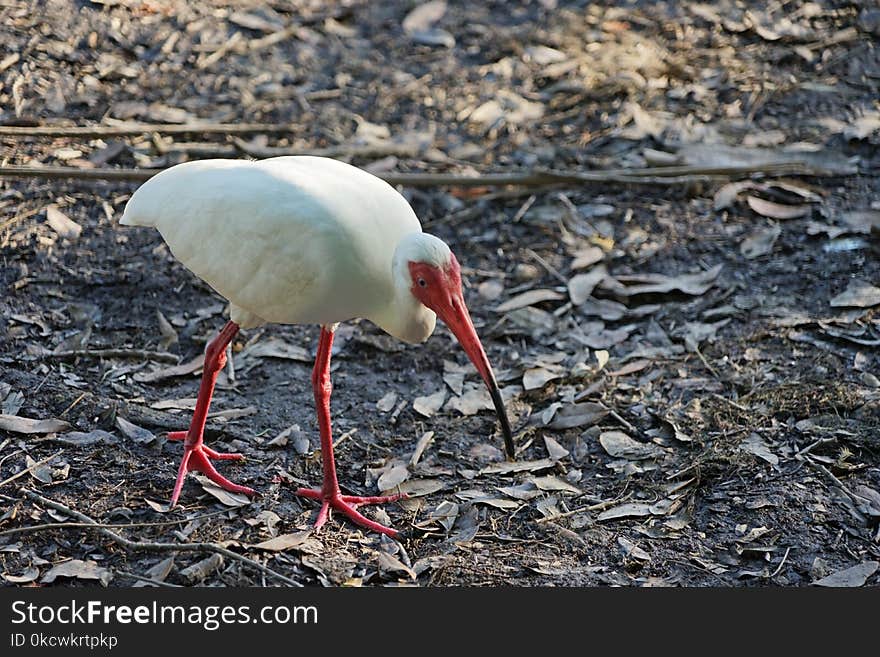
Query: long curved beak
[458, 319]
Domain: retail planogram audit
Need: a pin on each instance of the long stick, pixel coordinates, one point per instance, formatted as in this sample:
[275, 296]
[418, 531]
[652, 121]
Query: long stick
[538, 178]
[158, 547]
[130, 129]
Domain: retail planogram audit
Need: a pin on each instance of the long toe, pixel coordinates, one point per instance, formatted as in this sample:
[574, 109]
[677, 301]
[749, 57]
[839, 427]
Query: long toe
[347, 505]
[198, 459]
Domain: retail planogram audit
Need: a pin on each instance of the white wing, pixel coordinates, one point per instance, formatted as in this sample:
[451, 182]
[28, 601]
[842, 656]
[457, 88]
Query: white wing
[288, 239]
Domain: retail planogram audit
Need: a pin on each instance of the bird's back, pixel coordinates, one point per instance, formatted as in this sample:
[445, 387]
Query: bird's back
[288, 239]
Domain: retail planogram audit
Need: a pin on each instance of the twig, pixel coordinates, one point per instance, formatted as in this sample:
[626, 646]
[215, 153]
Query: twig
[137, 354]
[29, 468]
[159, 547]
[121, 525]
[134, 129]
[666, 176]
[150, 580]
[623, 421]
[601, 506]
[546, 265]
[781, 563]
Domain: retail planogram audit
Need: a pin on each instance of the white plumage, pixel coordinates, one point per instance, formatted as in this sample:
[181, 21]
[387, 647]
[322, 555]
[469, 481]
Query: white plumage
[263, 233]
[305, 240]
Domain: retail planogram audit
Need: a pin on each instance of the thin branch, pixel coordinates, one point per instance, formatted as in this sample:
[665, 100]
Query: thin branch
[143, 546]
[131, 129]
[137, 354]
[665, 176]
[29, 468]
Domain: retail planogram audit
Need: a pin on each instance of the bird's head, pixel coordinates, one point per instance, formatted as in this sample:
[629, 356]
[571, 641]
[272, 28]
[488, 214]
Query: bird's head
[434, 278]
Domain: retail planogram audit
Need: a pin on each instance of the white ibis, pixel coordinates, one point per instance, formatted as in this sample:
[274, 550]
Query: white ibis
[298, 240]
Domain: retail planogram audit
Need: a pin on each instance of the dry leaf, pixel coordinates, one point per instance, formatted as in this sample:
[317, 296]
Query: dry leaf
[26, 577]
[578, 415]
[693, 284]
[554, 483]
[393, 476]
[201, 569]
[17, 424]
[224, 496]
[506, 467]
[757, 446]
[620, 445]
[529, 298]
[283, 542]
[159, 572]
[181, 369]
[581, 286]
[430, 404]
[273, 347]
[853, 576]
[760, 242]
[858, 294]
[80, 570]
[626, 511]
[388, 401]
[61, 223]
[777, 210]
[554, 450]
[133, 432]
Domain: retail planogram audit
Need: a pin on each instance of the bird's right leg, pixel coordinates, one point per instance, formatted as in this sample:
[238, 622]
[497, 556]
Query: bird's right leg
[195, 455]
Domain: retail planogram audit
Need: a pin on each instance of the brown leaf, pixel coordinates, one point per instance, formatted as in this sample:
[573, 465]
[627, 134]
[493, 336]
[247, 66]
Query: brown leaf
[693, 284]
[506, 467]
[620, 445]
[578, 415]
[26, 577]
[224, 496]
[201, 569]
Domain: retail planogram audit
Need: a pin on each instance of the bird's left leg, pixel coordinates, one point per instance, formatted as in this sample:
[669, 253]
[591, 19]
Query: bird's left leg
[329, 495]
[195, 455]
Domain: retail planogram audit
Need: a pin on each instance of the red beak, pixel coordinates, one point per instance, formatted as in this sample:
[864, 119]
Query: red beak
[458, 319]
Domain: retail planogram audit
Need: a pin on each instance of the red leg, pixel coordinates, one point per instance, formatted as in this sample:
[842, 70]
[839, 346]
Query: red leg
[329, 494]
[195, 455]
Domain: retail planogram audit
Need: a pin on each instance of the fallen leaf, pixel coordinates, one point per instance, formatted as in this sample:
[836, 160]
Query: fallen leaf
[224, 496]
[283, 542]
[760, 242]
[420, 487]
[18, 424]
[578, 415]
[393, 477]
[777, 210]
[61, 223]
[198, 571]
[133, 432]
[87, 439]
[182, 369]
[26, 577]
[626, 511]
[554, 450]
[858, 294]
[529, 298]
[554, 483]
[581, 286]
[429, 404]
[421, 446]
[693, 284]
[587, 257]
[388, 401]
[853, 576]
[80, 570]
[273, 347]
[389, 564]
[536, 378]
[506, 467]
[757, 446]
[158, 572]
[620, 445]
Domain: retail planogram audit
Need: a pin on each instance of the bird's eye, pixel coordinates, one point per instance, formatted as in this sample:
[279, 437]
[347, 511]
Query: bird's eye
[422, 283]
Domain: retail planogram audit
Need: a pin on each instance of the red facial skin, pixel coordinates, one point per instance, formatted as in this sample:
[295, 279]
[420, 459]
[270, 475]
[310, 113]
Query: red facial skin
[439, 288]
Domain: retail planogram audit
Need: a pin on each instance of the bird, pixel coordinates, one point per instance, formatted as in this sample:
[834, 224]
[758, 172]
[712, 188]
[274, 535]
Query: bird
[305, 240]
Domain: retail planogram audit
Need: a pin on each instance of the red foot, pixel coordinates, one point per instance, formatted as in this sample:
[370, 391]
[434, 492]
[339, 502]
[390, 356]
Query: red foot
[348, 504]
[197, 458]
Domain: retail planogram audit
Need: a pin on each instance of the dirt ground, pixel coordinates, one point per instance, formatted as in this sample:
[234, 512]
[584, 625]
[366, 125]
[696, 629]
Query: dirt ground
[689, 354]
